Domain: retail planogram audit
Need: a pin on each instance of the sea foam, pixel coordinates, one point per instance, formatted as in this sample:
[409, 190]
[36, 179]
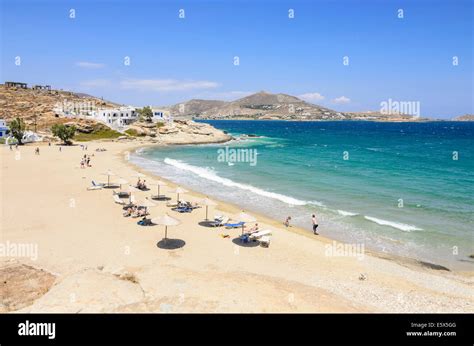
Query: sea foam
[212, 176]
[400, 226]
[346, 213]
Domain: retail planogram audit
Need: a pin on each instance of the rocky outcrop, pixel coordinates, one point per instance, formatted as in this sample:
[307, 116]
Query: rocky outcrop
[22, 285]
[177, 132]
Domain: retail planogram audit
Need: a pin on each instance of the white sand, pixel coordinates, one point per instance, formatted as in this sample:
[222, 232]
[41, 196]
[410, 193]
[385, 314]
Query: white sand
[105, 262]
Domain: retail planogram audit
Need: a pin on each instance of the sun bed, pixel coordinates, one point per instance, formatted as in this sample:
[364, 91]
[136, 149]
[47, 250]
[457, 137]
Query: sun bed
[95, 186]
[260, 234]
[118, 200]
[183, 210]
[234, 225]
[219, 221]
[122, 194]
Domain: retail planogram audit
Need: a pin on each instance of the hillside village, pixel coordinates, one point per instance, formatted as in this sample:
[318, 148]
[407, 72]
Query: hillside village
[40, 107]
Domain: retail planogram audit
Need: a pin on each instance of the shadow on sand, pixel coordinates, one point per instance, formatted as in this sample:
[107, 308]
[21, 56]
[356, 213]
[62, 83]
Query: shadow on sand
[170, 244]
[250, 243]
[207, 223]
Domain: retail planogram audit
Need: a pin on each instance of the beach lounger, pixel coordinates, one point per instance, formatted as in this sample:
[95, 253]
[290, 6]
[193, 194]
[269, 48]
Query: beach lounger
[183, 210]
[234, 225]
[122, 194]
[260, 234]
[219, 221]
[118, 200]
[95, 186]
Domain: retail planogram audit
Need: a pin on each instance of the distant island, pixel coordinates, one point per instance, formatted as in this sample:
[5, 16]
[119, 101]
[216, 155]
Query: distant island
[267, 106]
[466, 117]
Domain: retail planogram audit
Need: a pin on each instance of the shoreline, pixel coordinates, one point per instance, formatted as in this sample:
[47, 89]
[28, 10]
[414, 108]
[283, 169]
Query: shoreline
[113, 265]
[232, 208]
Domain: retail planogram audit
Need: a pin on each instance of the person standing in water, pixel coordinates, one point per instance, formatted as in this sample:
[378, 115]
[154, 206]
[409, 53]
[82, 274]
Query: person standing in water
[315, 224]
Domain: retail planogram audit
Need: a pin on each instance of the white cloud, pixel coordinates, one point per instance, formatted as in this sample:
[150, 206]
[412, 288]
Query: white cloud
[166, 84]
[95, 83]
[341, 100]
[91, 65]
[311, 97]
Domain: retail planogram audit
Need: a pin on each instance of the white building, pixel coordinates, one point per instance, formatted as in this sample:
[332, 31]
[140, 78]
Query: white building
[3, 128]
[160, 115]
[117, 117]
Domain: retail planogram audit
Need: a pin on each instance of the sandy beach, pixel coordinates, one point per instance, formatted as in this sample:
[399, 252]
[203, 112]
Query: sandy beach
[101, 261]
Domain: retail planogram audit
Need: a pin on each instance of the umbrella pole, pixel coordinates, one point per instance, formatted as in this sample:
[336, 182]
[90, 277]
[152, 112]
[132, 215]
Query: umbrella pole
[158, 192]
[206, 212]
[108, 180]
[177, 198]
[243, 229]
[166, 232]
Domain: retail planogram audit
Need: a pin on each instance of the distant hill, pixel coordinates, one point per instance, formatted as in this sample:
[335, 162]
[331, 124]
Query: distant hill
[466, 117]
[36, 106]
[261, 105]
[265, 105]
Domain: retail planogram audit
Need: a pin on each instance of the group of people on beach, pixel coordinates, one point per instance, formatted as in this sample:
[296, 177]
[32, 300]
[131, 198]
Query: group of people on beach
[86, 161]
[135, 211]
[314, 222]
[141, 185]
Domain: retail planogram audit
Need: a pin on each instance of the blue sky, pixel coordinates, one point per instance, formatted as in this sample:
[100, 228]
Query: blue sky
[174, 59]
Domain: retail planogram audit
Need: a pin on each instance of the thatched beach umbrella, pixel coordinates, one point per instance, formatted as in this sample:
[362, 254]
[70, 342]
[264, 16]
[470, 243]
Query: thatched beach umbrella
[138, 175]
[131, 189]
[159, 183]
[146, 203]
[166, 221]
[108, 173]
[243, 216]
[208, 202]
[121, 181]
[179, 190]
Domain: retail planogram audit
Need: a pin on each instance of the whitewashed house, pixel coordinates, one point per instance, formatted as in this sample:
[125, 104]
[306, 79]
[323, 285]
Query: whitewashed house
[116, 117]
[160, 115]
[3, 128]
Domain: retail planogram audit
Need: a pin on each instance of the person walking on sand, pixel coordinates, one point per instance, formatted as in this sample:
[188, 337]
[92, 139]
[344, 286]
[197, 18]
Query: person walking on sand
[315, 224]
[287, 221]
[37, 151]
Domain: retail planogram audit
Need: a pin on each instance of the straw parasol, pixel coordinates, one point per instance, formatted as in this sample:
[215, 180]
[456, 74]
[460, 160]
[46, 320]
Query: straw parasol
[166, 221]
[179, 190]
[138, 175]
[131, 189]
[108, 173]
[208, 202]
[146, 203]
[121, 181]
[159, 183]
[243, 216]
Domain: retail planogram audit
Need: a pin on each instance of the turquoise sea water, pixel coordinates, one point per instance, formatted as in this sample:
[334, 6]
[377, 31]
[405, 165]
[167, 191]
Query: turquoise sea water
[402, 188]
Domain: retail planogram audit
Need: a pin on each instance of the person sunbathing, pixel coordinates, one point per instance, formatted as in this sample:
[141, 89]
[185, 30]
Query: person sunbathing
[128, 212]
[253, 229]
